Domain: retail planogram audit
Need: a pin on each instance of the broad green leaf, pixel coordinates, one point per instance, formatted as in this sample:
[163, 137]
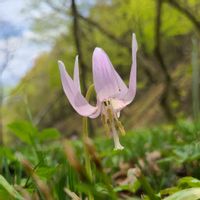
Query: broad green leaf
[188, 182]
[187, 194]
[6, 152]
[169, 191]
[45, 172]
[48, 134]
[101, 188]
[131, 187]
[10, 189]
[23, 130]
[4, 195]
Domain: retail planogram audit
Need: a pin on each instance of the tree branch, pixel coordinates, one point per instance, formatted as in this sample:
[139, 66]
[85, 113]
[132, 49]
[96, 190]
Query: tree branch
[105, 32]
[121, 42]
[59, 9]
[186, 12]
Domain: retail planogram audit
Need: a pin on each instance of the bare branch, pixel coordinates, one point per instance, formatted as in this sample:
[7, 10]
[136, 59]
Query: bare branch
[186, 12]
[122, 43]
[105, 32]
[59, 9]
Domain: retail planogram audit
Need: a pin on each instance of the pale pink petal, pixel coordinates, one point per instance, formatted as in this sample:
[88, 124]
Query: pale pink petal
[128, 98]
[78, 102]
[76, 74]
[106, 80]
[118, 104]
[98, 111]
[122, 86]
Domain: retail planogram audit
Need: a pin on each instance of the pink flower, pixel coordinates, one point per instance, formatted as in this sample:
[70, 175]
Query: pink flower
[112, 93]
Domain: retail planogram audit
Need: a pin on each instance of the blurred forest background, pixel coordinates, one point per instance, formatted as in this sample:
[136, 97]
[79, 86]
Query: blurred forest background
[168, 60]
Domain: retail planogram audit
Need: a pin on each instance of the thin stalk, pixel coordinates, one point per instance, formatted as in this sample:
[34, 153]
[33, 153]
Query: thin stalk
[84, 136]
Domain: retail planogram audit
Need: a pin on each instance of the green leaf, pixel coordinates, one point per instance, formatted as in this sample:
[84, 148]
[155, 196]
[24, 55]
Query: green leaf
[9, 189]
[4, 195]
[6, 152]
[188, 182]
[45, 172]
[48, 134]
[23, 130]
[169, 191]
[187, 194]
[131, 187]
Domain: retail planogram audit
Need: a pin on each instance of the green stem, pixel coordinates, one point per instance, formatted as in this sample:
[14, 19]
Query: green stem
[84, 136]
[87, 159]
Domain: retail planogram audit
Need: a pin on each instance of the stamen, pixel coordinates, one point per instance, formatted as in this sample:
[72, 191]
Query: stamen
[105, 124]
[120, 127]
[110, 115]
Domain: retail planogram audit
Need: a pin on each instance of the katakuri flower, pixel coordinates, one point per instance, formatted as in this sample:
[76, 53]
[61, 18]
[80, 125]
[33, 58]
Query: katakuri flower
[112, 93]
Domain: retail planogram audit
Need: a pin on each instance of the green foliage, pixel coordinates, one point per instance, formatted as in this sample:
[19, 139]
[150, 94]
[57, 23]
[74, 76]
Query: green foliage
[48, 134]
[188, 182]
[167, 155]
[7, 191]
[187, 194]
[45, 153]
[25, 131]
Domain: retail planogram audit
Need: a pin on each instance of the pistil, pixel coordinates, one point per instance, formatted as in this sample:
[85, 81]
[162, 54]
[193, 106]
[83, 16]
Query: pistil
[117, 144]
[111, 122]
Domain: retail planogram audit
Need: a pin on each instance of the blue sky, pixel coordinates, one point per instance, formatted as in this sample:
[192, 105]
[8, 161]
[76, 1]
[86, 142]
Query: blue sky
[17, 25]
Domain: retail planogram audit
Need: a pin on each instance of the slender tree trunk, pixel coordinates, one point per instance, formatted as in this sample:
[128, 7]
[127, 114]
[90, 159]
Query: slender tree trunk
[8, 56]
[77, 39]
[157, 49]
[168, 81]
[195, 79]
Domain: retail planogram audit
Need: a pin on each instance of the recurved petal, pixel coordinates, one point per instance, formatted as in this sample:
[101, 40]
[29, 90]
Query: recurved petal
[128, 98]
[106, 80]
[76, 74]
[76, 99]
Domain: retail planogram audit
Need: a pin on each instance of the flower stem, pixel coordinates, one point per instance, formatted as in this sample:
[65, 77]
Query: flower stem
[84, 136]
[87, 159]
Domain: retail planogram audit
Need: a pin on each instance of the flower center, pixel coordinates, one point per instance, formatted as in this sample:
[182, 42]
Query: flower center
[112, 123]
